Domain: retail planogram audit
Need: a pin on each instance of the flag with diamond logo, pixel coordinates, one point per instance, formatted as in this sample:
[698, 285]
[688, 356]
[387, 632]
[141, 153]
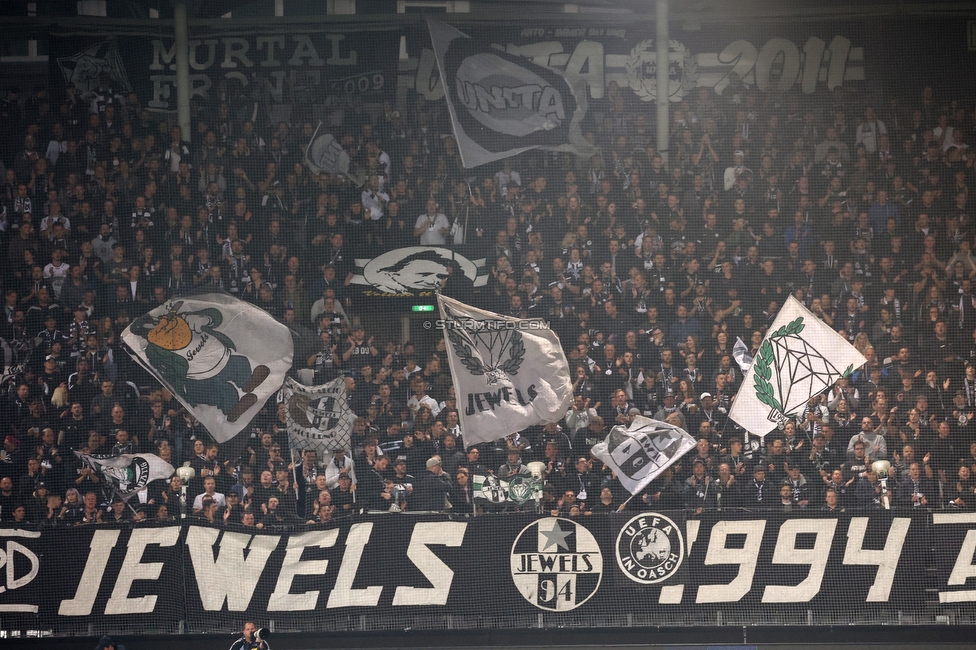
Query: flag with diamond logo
[800, 357]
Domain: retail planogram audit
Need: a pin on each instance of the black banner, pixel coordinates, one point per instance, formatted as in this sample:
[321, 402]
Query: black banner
[806, 58]
[324, 67]
[809, 59]
[510, 568]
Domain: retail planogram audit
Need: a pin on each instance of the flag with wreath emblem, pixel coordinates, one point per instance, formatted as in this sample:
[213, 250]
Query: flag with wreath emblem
[509, 373]
[800, 357]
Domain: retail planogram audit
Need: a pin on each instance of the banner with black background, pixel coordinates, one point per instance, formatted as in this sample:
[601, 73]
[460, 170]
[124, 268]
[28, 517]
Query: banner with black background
[498, 570]
[323, 68]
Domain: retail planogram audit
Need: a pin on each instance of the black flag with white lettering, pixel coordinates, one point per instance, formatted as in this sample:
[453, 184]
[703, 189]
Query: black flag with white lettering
[502, 105]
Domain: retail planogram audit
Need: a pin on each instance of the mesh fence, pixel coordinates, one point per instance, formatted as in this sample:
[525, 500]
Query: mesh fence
[327, 181]
[506, 571]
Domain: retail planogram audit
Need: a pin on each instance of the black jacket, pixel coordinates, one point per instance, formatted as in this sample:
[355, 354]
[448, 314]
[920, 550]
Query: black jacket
[430, 494]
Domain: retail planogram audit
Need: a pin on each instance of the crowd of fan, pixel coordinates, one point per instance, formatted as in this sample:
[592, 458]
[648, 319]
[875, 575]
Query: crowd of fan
[648, 271]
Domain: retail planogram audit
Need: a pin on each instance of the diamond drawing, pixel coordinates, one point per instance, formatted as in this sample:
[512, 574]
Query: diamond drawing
[807, 372]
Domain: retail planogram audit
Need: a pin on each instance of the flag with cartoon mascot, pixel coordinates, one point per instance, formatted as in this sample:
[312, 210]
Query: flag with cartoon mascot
[221, 357]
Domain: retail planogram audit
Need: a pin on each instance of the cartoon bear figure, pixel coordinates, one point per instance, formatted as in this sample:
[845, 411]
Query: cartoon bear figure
[199, 362]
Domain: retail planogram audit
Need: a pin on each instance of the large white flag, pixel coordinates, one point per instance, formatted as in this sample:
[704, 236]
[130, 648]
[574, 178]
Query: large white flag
[638, 453]
[509, 373]
[799, 358]
[318, 416]
[221, 357]
[128, 473]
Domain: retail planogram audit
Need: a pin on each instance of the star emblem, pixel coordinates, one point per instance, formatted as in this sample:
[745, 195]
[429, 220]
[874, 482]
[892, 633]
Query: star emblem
[555, 537]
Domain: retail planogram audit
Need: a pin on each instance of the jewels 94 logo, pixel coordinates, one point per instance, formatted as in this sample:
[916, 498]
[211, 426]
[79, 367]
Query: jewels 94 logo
[556, 564]
[650, 548]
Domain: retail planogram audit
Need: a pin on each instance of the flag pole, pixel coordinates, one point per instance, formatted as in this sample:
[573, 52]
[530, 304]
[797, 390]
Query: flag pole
[115, 490]
[125, 499]
[294, 480]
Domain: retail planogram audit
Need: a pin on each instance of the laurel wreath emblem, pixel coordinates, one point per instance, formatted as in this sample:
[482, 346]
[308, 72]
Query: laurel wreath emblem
[764, 361]
[465, 352]
[646, 87]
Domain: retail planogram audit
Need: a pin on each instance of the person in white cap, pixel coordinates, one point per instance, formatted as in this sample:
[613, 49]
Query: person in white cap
[707, 411]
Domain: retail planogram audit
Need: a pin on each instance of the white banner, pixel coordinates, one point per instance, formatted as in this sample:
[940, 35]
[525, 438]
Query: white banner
[799, 358]
[638, 454]
[318, 416]
[221, 357]
[509, 373]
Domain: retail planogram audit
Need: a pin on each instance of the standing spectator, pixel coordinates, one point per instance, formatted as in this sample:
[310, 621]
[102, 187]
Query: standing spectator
[432, 227]
[432, 491]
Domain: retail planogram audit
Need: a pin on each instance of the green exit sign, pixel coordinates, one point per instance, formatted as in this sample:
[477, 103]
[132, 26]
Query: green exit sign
[422, 308]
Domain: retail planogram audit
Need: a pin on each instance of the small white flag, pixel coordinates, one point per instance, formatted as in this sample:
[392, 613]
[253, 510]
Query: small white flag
[128, 473]
[740, 352]
[318, 416]
[518, 489]
[509, 373]
[325, 155]
[799, 358]
[221, 357]
[638, 453]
